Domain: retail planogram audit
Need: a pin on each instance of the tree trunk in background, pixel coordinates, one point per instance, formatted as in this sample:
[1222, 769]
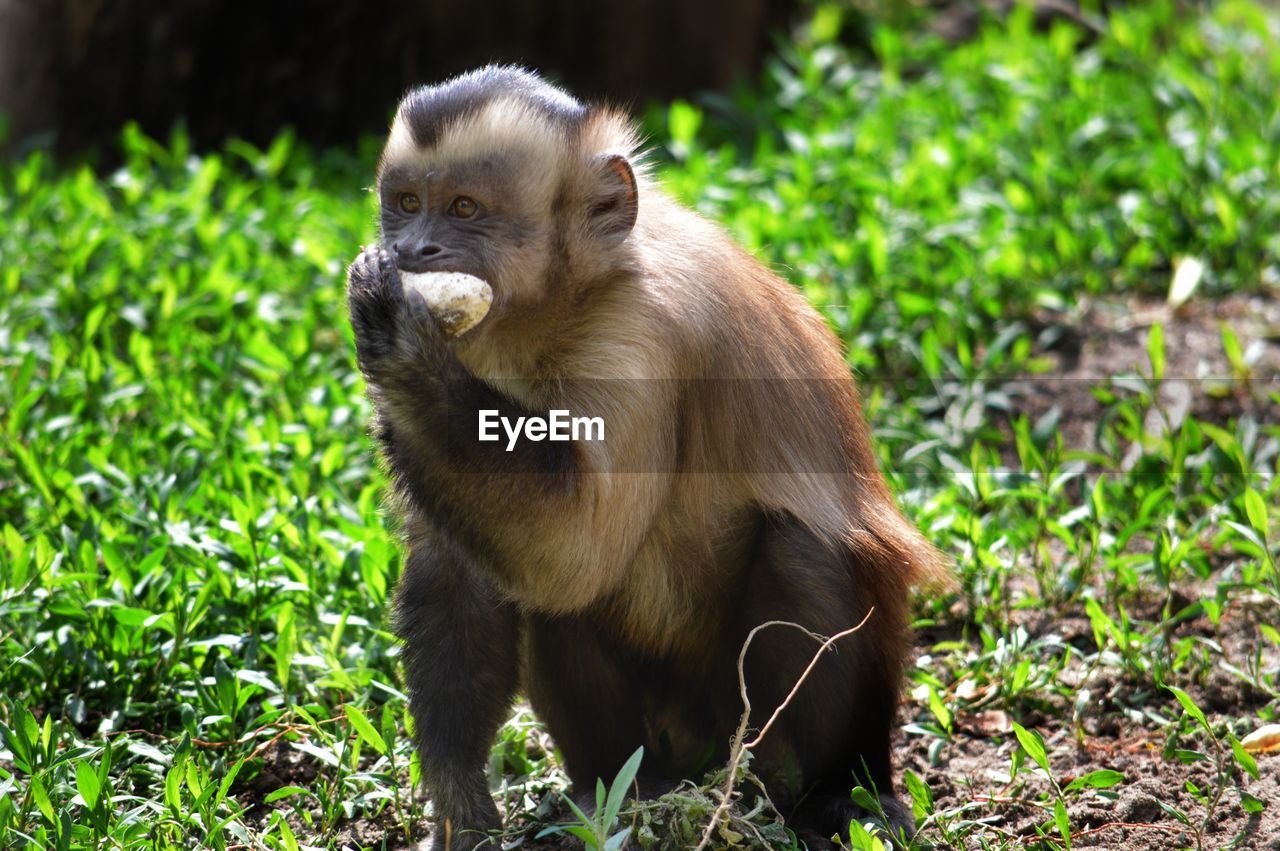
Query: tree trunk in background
[75, 70]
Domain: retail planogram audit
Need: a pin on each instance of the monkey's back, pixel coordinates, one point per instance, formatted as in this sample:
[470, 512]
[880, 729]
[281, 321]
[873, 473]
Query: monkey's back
[771, 424]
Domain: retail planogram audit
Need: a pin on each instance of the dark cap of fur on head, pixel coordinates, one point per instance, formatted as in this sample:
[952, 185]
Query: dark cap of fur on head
[428, 110]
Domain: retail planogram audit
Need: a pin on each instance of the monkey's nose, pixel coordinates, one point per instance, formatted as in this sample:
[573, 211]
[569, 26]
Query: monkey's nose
[413, 252]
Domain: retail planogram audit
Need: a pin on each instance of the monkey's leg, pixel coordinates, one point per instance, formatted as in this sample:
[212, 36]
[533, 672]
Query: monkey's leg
[836, 731]
[461, 666]
[587, 694]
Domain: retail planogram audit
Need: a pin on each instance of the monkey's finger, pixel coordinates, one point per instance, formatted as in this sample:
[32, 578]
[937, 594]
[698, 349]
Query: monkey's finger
[425, 327]
[416, 308]
[363, 270]
[373, 277]
[387, 269]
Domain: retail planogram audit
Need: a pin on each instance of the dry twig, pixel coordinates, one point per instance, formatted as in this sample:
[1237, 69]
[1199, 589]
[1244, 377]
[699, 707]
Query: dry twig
[739, 744]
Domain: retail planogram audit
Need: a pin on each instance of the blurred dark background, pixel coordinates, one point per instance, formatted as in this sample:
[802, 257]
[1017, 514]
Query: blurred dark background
[73, 71]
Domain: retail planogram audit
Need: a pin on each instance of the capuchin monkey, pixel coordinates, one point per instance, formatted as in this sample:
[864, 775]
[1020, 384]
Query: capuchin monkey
[613, 582]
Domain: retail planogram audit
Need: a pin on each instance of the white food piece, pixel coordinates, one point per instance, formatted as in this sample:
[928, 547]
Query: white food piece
[457, 301]
[1263, 740]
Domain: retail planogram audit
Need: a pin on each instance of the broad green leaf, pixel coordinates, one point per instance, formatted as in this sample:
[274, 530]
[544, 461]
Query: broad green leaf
[1252, 805]
[173, 790]
[1155, 351]
[365, 729]
[622, 786]
[1103, 778]
[1243, 758]
[921, 796]
[285, 792]
[29, 727]
[41, 797]
[87, 784]
[939, 709]
[288, 837]
[865, 799]
[618, 840]
[17, 745]
[1061, 821]
[1256, 510]
[1033, 745]
[861, 839]
[224, 786]
[588, 838]
[1190, 707]
[1231, 347]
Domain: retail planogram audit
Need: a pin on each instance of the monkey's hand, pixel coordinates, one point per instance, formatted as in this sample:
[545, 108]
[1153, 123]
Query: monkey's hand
[394, 329]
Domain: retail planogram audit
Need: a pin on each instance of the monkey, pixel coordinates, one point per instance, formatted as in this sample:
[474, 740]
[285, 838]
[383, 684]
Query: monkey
[613, 582]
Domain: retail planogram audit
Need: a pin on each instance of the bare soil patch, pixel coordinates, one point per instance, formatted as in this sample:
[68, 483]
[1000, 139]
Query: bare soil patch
[1117, 731]
[1110, 341]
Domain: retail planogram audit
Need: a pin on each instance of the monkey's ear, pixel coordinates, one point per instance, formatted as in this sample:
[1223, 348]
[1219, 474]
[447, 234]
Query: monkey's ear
[613, 201]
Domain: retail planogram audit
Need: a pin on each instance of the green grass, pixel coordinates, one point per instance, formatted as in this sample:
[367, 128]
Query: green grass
[194, 563]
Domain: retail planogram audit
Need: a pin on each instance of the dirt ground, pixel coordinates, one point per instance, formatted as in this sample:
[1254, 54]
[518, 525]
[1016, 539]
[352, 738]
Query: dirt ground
[1109, 340]
[1117, 733]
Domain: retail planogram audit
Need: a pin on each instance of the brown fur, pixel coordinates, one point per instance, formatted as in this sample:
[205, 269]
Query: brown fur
[736, 483]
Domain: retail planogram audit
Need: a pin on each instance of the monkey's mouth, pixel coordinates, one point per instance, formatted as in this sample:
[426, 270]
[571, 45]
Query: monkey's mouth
[445, 261]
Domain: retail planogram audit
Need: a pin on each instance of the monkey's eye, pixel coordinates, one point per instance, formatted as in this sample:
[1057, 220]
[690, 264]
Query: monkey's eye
[410, 203]
[463, 207]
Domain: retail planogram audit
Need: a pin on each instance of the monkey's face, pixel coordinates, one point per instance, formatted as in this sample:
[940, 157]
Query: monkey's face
[501, 177]
[473, 215]
[472, 190]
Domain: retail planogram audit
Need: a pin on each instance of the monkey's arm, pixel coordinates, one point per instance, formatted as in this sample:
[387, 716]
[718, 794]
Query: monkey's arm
[590, 502]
